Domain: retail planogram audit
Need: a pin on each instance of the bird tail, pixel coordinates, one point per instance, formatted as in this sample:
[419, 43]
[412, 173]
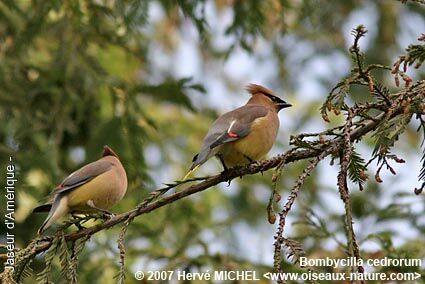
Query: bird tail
[191, 172]
[59, 209]
[199, 159]
[42, 208]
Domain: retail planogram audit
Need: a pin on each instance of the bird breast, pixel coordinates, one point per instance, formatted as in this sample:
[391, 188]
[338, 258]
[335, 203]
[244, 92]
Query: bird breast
[104, 191]
[255, 145]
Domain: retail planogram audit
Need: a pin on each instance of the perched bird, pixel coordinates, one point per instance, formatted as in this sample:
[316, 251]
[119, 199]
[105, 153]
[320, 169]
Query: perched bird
[245, 134]
[95, 187]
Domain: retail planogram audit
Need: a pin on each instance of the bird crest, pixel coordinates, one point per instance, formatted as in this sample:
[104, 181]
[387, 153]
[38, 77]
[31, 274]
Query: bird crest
[255, 89]
[107, 151]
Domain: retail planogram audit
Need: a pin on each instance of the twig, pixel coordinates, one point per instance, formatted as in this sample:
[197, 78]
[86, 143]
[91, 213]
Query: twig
[353, 247]
[279, 239]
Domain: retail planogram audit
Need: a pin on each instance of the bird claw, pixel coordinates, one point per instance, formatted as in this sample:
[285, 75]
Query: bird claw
[78, 220]
[106, 215]
[79, 226]
[42, 238]
[229, 181]
[226, 172]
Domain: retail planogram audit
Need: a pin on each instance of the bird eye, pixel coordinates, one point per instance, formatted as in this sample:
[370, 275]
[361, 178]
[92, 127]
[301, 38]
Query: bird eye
[274, 99]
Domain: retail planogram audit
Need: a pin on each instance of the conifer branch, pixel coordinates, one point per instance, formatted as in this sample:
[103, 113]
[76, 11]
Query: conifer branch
[157, 200]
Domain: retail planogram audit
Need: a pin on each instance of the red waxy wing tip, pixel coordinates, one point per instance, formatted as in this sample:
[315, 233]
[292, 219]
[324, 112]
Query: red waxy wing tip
[233, 134]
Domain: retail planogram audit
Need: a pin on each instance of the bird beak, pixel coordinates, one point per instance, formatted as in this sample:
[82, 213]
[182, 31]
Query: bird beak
[283, 105]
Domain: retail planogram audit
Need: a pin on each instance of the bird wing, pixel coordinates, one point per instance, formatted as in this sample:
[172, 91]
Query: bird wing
[83, 175]
[76, 179]
[236, 124]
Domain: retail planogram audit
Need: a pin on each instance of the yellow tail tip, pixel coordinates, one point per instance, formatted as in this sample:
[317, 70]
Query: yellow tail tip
[190, 172]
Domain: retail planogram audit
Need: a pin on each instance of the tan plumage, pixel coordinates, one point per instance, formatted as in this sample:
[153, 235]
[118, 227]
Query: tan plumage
[95, 187]
[245, 134]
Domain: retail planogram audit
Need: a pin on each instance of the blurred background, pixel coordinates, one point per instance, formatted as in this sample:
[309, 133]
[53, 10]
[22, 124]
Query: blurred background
[149, 77]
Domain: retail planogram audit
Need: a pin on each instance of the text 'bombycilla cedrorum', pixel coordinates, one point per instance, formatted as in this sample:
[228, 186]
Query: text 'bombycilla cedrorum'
[95, 187]
[245, 134]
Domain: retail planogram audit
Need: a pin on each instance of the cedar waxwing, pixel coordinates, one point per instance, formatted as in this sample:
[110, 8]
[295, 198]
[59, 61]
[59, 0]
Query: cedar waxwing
[95, 187]
[245, 134]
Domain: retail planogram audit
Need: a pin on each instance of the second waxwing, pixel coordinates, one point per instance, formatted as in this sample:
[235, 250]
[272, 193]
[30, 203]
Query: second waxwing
[245, 134]
[95, 187]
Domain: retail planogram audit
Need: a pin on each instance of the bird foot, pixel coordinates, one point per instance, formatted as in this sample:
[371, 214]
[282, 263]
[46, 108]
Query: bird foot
[78, 220]
[226, 172]
[230, 172]
[42, 238]
[79, 226]
[106, 215]
[249, 159]
[103, 212]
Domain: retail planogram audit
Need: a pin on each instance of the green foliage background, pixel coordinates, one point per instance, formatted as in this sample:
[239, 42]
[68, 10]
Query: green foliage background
[76, 75]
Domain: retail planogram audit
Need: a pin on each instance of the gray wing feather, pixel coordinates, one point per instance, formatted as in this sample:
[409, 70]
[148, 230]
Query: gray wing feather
[76, 179]
[83, 175]
[242, 119]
